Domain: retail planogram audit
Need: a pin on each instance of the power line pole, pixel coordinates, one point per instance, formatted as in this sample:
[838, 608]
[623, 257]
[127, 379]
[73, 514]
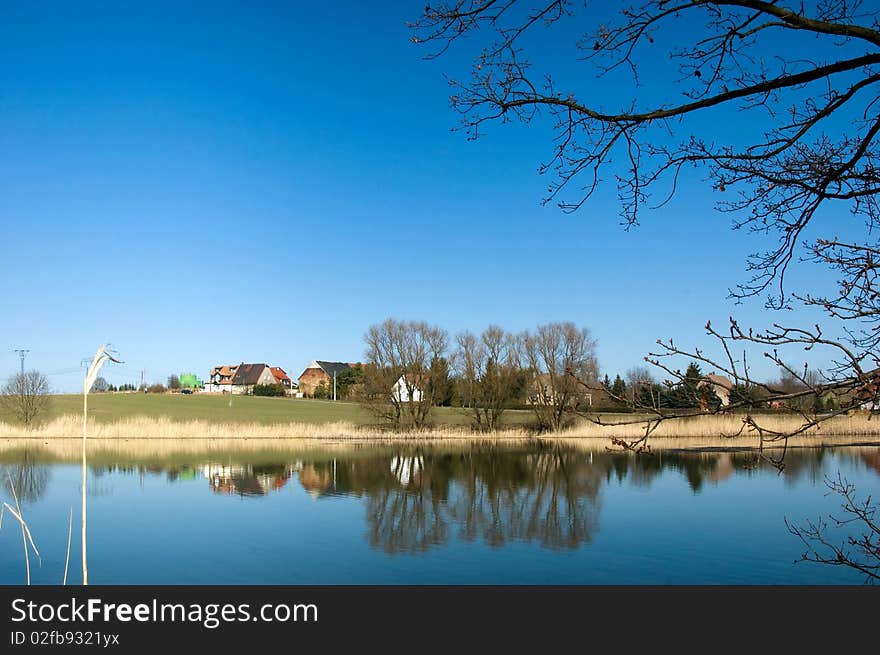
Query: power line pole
[142, 380]
[21, 353]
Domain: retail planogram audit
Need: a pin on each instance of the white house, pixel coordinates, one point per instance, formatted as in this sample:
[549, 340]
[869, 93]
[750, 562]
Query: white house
[401, 391]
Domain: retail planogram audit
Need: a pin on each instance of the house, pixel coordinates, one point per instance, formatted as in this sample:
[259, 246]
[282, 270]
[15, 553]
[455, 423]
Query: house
[720, 385]
[283, 379]
[543, 392]
[867, 393]
[318, 372]
[401, 389]
[220, 379]
[247, 376]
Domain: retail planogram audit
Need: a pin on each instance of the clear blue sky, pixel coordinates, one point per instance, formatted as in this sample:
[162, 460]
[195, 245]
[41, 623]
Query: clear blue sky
[225, 182]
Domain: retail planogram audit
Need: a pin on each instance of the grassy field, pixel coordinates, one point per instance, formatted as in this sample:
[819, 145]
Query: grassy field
[107, 407]
[177, 418]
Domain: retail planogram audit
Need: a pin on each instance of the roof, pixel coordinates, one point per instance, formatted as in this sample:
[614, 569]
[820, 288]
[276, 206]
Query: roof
[279, 373]
[224, 372]
[331, 367]
[719, 380]
[416, 381]
[248, 373]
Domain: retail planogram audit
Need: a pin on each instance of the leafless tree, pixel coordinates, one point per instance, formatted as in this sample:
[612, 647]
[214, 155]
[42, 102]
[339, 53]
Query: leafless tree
[803, 79]
[791, 72]
[638, 378]
[489, 374]
[860, 550]
[402, 359]
[561, 361]
[25, 396]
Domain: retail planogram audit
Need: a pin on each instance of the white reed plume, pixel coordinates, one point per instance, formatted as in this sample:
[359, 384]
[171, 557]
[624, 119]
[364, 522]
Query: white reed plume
[101, 356]
[25, 530]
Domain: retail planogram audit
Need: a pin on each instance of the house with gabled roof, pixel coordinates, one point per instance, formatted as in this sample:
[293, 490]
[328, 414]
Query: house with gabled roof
[241, 378]
[247, 376]
[720, 385]
[220, 379]
[320, 371]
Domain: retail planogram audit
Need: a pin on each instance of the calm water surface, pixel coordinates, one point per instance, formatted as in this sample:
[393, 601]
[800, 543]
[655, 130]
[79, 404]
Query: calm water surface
[480, 514]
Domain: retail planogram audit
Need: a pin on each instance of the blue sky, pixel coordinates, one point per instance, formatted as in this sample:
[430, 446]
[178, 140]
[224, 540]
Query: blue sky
[224, 182]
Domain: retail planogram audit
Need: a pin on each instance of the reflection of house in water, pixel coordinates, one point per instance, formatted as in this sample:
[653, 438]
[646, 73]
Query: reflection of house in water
[246, 480]
[723, 469]
[317, 478]
[872, 460]
[407, 469]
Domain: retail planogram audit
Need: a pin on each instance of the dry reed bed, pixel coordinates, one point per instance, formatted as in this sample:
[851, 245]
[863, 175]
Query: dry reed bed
[145, 427]
[160, 436]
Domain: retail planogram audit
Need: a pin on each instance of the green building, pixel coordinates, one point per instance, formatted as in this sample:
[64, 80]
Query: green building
[190, 381]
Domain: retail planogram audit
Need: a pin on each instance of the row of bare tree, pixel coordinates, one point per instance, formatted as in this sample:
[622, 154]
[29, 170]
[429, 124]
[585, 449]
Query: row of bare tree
[410, 366]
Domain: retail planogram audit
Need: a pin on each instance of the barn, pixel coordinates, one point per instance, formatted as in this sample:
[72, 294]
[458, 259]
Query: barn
[317, 372]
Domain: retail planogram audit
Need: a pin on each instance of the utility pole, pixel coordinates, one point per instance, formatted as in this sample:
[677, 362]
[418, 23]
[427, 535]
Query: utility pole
[143, 372]
[334, 390]
[21, 354]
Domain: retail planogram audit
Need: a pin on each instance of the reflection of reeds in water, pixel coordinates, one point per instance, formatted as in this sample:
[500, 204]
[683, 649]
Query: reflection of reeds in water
[109, 452]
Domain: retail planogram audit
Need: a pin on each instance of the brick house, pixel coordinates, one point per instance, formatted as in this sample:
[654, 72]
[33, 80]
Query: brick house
[318, 372]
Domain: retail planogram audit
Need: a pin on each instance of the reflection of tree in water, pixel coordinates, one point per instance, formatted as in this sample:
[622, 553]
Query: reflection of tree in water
[418, 497]
[550, 497]
[712, 467]
[872, 460]
[406, 509]
[492, 495]
[29, 476]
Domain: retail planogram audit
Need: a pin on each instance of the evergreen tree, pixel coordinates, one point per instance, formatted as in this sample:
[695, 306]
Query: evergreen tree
[619, 387]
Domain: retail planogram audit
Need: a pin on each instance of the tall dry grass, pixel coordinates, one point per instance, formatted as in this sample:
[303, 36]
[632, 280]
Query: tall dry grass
[162, 435]
[69, 427]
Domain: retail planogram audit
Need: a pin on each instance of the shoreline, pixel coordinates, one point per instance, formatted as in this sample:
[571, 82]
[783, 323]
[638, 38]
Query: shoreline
[114, 451]
[713, 429]
[148, 436]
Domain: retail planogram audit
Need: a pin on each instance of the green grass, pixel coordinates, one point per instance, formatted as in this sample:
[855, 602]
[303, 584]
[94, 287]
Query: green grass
[108, 407]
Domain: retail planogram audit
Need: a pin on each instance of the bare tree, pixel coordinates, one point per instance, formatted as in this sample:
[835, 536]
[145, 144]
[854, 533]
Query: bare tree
[26, 396]
[803, 81]
[560, 358]
[803, 78]
[402, 359]
[101, 385]
[860, 550]
[788, 158]
[489, 372]
[638, 380]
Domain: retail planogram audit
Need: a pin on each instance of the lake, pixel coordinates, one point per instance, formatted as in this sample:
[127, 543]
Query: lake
[477, 514]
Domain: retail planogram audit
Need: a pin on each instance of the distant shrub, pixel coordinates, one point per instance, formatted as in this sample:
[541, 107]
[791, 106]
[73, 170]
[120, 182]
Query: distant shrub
[321, 392]
[269, 390]
[156, 388]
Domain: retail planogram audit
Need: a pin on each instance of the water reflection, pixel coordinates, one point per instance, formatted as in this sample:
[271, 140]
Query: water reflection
[416, 498]
[246, 480]
[29, 477]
